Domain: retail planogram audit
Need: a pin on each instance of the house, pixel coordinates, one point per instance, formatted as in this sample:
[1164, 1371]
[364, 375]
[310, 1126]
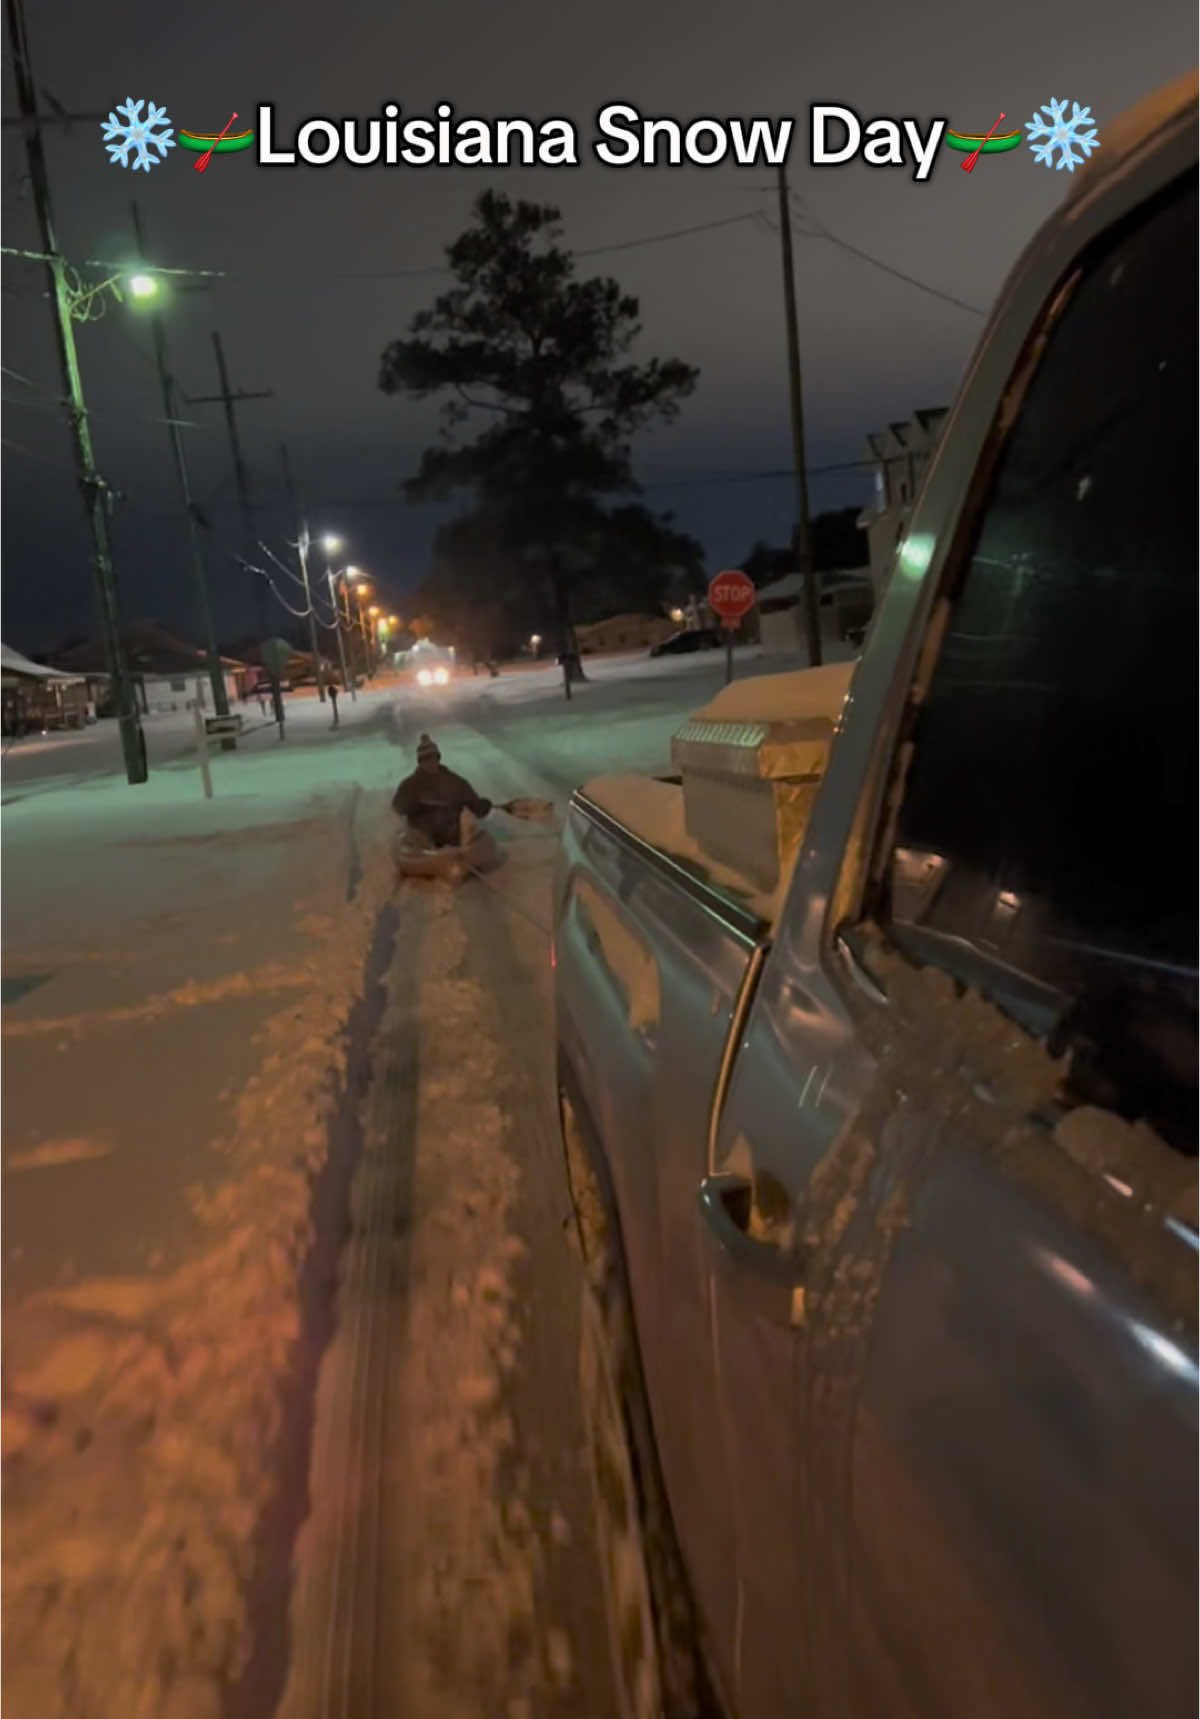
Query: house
[624, 633]
[36, 698]
[900, 455]
[846, 601]
[299, 670]
[165, 669]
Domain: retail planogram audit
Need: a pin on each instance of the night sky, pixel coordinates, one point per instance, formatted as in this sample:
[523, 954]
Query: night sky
[295, 319]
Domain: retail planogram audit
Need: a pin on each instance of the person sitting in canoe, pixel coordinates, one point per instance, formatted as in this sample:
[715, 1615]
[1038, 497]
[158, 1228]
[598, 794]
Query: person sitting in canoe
[433, 800]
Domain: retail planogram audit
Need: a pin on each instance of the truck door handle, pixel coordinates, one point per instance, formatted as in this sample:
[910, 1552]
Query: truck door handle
[857, 969]
[726, 1201]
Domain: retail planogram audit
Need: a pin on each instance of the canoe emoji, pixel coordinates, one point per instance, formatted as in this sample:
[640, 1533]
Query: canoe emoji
[969, 141]
[201, 141]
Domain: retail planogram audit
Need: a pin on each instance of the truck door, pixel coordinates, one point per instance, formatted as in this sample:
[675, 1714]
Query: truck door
[952, 1199]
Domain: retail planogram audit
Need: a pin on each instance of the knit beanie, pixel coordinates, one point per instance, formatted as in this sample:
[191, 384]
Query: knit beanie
[426, 751]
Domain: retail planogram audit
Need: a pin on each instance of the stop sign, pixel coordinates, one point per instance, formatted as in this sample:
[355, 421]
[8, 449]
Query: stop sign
[731, 595]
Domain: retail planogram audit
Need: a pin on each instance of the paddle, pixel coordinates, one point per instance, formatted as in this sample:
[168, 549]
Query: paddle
[528, 808]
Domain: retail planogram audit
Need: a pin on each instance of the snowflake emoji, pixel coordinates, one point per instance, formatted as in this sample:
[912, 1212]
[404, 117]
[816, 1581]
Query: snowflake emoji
[137, 134]
[1066, 135]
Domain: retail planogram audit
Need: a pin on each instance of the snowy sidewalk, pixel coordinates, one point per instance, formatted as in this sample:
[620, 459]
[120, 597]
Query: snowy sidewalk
[183, 974]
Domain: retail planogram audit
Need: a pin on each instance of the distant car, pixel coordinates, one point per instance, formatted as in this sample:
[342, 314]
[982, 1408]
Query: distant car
[430, 665]
[688, 639]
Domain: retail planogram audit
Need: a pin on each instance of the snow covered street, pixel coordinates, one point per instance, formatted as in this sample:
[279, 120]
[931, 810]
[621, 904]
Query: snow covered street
[290, 1407]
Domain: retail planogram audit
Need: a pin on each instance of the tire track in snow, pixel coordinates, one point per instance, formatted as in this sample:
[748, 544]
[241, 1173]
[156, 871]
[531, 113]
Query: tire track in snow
[547, 1466]
[261, 1685]
[440, 1522]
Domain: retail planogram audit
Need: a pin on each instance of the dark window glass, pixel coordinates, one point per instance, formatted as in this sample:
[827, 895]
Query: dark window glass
[1046, 845]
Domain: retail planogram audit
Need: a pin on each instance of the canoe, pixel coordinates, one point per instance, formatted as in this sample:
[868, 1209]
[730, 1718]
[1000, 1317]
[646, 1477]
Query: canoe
[969, 141]
[205, 140]
[452, 864]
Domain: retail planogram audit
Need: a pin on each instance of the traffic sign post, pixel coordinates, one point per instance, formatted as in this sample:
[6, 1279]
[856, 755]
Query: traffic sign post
[731, 595]
[275, 655]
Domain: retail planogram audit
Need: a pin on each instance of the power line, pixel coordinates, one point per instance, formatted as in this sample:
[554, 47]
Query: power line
[818, 230]
[767, 474]
[229, 398]
[281, 565]
[661, 238]
[50, 404]
[250, 567]
[423, 269]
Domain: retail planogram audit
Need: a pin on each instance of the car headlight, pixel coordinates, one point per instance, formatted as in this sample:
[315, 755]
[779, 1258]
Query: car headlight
[424, 678]
[441, 676]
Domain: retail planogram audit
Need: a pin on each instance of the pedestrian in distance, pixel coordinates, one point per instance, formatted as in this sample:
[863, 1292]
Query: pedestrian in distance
[333, 698]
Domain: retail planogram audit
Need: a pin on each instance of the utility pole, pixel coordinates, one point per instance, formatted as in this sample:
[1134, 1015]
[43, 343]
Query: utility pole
[366, 637]
[228, 399]
[167, 388]
[302, 545]
[94, 490]
[801, 533]
[352, 685]
[350, 626]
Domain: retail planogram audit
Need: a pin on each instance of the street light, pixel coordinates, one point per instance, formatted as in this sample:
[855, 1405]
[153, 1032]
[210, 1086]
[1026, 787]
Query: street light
[143, 286]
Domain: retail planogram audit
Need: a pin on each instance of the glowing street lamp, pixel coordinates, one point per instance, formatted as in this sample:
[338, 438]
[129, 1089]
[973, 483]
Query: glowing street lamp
[143, 286]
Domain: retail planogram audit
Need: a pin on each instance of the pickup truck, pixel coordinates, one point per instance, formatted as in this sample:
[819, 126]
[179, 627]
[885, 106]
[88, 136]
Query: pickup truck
[877, 1041]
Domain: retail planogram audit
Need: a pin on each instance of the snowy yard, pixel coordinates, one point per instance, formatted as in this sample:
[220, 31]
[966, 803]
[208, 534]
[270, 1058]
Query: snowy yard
[284, 1270]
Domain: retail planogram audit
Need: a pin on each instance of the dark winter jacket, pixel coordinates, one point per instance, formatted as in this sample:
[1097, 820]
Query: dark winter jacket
[433, 804]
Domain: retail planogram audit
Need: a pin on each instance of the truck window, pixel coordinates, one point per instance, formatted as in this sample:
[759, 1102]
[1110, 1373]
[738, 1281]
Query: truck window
[1046, 842]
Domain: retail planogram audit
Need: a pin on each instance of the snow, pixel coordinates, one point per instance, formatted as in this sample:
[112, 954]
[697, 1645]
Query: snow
[12, 662]
[184, 974]
[186, 949]
[653, 810]
[798, 696]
